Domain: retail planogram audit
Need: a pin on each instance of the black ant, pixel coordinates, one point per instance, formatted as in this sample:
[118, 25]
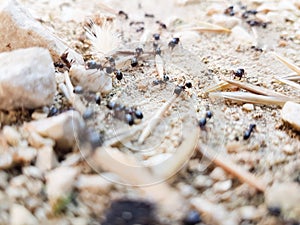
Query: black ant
[122, 13]
[229, 11]
[249, 131]
[179, 88]
[239, 73]
[202, 121]
[173, 42]
[128, 114]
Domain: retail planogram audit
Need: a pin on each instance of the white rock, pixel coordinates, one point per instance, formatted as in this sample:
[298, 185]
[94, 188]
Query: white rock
[59, 183]
[248, 107]
[19, 29]
[25, 155]
[218, 174]
[222, 186]
[93, 183]
[35, 140]
[286, 197]
[225, 21]
[202, 181]
[6, 160]
[11, 135]
[46, 159]
[19, 215]
[26, 78]
[290, 114]
[92, 80]
[32, 171]
[250, 212]
[62, 128]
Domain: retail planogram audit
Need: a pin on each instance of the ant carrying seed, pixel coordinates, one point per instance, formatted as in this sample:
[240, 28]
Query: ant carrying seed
[239, 73]
[119, 75]
[122, 13]
[257, 23]
[249, 131]
[173, 42]
[229, 11]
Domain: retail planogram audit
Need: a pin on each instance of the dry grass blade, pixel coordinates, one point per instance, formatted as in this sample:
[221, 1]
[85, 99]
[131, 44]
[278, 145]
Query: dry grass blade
[252, 98]
[134, 174]
[288, 82]
[286, 62]
[124, 135]
[219, 86]
[253, 88]
[293, 77]
[180, 157]
[160, 66]
[208, 27]
[155, 120]
[107, 8]
[229, 166]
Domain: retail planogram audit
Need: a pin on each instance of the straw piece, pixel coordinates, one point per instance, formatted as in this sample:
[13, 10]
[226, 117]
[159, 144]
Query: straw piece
[286, 62]
[229, 166]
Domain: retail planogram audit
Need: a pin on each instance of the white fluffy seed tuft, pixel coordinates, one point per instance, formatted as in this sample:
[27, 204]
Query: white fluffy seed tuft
[104, 38]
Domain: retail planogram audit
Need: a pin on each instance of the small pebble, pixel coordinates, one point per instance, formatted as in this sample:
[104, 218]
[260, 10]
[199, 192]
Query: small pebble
[248, 107]
[11, 135]
[78, 89]
[290, 114]
[222, 186]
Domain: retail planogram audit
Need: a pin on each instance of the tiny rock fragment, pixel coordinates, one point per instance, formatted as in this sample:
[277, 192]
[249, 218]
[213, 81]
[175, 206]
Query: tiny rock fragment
[289, 149]
[46, 158]
[248, 107]
[202, 181]
[91, 79]
[63, 128]
[60, 183]
[37, 141]
[249, 212]
[26, 78]
[93, 184]
[20, 30]
[11, 135]
[285, 199]
[290, 114]
[19, 215]
[6, 160]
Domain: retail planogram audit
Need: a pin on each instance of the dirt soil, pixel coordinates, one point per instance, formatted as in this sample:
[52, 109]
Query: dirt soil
[272, 153]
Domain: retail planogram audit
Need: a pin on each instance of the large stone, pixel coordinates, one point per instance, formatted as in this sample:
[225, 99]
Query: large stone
[18, 29]
[64, 128]
[290, 114]
[27, 78]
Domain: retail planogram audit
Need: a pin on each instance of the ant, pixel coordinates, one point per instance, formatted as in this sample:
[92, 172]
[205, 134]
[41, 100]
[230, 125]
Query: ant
[249, 131]
[202, 121]
[179, 88]
[173, 42]
[239, 73]
[122, 112]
